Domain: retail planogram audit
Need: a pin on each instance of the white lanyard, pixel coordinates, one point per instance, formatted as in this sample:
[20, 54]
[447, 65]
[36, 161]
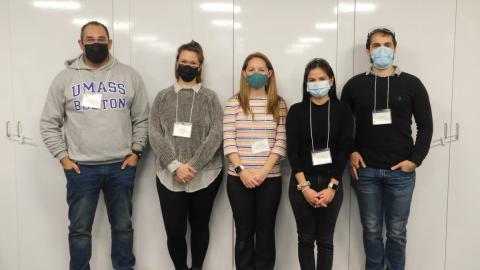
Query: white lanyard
[381, 117]
[311, 127]
[322, 156]
[375, 93]
[264, 124]
[261, 145]
[183, 129]
[191, 110]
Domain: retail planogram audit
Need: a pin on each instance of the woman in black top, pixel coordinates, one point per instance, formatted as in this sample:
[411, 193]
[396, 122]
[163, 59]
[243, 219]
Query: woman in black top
[319, 139]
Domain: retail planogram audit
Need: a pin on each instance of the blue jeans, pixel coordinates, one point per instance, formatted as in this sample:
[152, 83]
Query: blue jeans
[384, 192]
[83, 191]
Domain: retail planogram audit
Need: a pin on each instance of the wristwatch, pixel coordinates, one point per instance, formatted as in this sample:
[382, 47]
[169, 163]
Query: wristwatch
[301, 187]
[333, 186]
[239, 169]
[138, 153]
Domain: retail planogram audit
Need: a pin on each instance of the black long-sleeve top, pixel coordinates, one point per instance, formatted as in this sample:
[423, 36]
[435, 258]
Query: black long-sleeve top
[383, 146]
[299, 145]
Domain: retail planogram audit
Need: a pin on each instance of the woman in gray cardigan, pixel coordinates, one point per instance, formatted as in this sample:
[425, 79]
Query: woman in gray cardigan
[185, 133]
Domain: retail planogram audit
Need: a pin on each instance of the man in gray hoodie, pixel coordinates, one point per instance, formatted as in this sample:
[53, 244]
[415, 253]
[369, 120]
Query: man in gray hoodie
[95, 122]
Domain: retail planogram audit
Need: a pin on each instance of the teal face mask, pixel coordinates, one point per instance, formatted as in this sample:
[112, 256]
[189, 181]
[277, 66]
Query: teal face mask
[257, 80]
[382, 57]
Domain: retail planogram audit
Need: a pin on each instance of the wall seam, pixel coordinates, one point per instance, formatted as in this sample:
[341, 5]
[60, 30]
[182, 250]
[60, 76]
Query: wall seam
[450, 144]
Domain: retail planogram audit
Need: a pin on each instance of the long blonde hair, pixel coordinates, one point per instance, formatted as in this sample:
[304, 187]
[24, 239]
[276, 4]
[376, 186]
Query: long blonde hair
[273, 99]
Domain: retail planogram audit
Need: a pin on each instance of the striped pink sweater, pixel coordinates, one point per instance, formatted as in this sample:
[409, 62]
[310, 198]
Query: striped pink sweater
[240, 131]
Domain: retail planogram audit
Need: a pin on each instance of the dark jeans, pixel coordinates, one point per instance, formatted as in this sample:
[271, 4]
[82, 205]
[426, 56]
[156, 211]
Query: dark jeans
[83, 191]
[384, 193]
[196, 206]
[254, 212]
[315, 224]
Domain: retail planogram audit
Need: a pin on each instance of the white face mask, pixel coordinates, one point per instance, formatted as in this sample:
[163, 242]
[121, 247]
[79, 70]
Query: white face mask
[318, 89]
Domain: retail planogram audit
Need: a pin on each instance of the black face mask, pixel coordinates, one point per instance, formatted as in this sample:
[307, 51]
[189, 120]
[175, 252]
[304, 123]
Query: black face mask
[96, 52]
[187, 73]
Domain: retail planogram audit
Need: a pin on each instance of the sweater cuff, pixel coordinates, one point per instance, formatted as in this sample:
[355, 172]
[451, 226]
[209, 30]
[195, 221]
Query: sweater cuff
[173, 166]
[296, 170]
[137, 147]
[279, 151]
[228, 150]
[416, 159]
[336, 176]
[195, 163]
[61, 155]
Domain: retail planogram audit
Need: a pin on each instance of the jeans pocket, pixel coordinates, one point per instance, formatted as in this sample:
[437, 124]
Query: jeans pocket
[131, 167]
[361, 170]
[69, 172]
[406, 172]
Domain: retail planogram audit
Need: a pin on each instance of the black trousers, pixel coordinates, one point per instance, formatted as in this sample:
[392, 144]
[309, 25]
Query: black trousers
[196, 206]
[254, 212]
[315, 224]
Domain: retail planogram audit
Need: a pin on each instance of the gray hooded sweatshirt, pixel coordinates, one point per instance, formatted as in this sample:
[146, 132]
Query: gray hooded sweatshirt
[104, 131]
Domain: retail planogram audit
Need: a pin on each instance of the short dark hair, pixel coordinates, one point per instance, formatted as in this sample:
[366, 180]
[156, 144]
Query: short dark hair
[195, 47]
[384, 31]
[96, 23]
[325, 66]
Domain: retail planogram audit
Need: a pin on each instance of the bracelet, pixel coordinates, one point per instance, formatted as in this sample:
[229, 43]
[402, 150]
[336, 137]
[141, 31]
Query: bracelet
[301, 187]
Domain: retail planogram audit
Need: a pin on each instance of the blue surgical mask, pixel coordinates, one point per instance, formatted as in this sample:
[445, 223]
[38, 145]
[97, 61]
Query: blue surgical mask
[257, 80]
[382, 57]
[318, 89]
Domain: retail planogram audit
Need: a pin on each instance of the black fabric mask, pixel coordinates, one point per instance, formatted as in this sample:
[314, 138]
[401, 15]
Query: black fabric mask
[96, 52]
[187, 73]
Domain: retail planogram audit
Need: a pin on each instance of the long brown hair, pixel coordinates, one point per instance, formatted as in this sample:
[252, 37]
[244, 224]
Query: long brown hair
[273, 99]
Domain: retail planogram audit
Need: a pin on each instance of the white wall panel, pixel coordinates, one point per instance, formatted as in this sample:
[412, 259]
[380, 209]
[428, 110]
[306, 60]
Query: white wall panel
[43, 38]
[344, 71]
[8, 191]
[151, 46]
[213, 29]
[463, 207]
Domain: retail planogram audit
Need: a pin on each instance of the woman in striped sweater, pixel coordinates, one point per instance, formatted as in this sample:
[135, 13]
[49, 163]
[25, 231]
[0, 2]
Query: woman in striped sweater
[254, 140]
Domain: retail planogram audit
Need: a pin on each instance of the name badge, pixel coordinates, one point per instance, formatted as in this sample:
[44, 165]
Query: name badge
[382, 117]
[260, 146]
[182, 129]
[321, 157]
[93, 101]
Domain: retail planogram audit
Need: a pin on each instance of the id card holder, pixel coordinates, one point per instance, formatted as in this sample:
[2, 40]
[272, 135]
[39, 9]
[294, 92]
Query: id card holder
[382, 117]
[182, 129]
[321, 157]
[260, 146]
[93, 101]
